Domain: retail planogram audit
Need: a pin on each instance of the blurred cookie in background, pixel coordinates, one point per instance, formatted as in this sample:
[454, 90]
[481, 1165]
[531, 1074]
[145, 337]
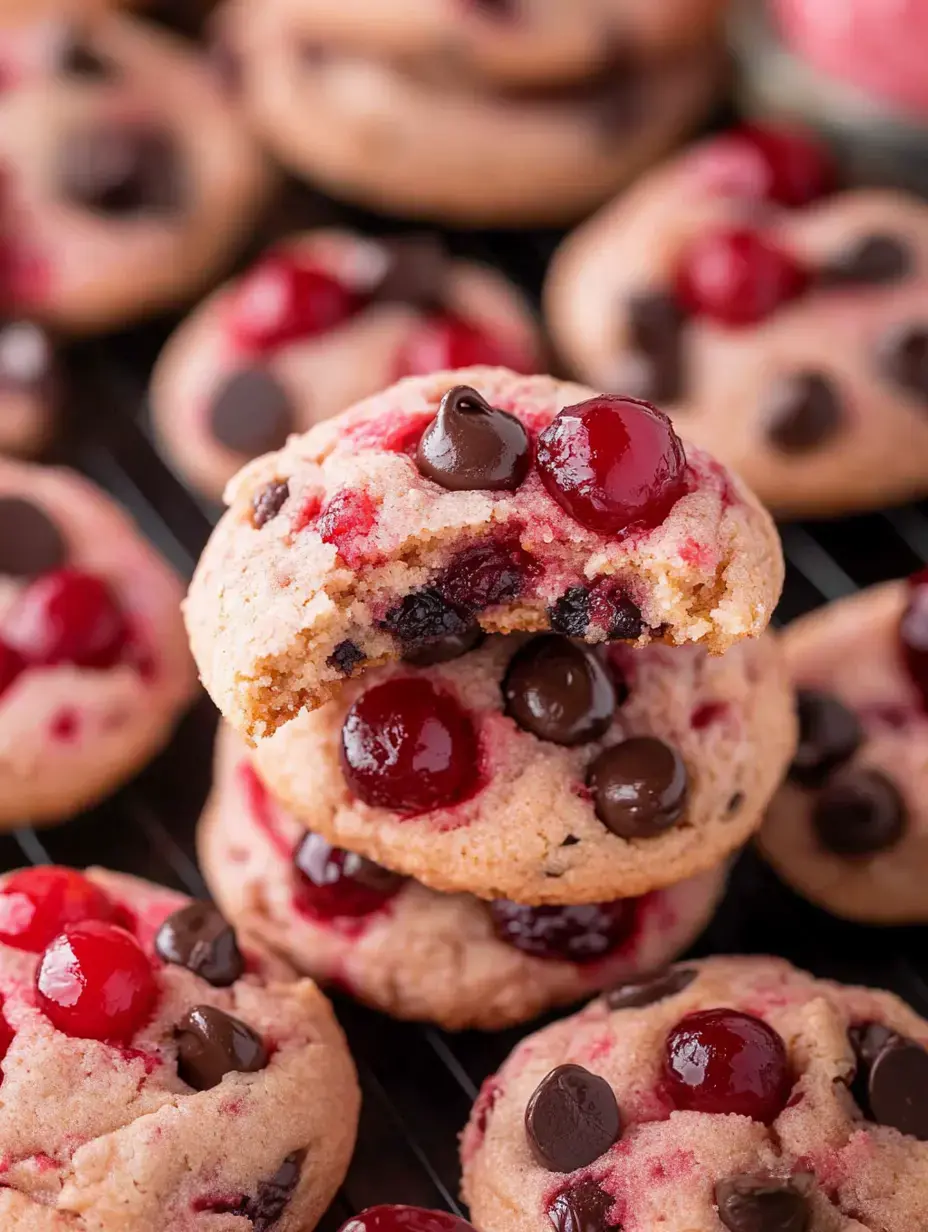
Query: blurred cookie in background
[128, 181]
[782, 322]
[30, 387]
[322, 320]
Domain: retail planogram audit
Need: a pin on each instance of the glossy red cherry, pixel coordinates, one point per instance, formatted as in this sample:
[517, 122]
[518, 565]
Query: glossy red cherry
[578, 934]
[408, 747]
[36, 904]
[770, 163]
[737, 277]
[7, 1035]
[95, 982]
[404, 1219]
[913, 634]
[334, 883]
[440, 343]
[613, 463]
[11, 665]
[68, 617]
[280, 301]
[722, 1061]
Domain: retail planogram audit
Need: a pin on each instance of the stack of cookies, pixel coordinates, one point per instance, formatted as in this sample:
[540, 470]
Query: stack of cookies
[500, 706]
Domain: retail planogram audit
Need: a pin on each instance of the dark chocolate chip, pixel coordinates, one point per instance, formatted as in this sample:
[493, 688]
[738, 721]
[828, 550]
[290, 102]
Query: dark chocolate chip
[559, 690]
[199, 938]
[655, 325]
[859, 813]
[268, 501]
[211, 1044]
[431, 629]
[123, 170]
[735, 803]
[869, 259]
[251, 413]
[649, 989]
[444, 649]
[571, 1119]
[27, 359]
[582, 1208]
[346, 657]
[639, 787]
[570, 614]
[802, 412]
[471, 446]
[761, 1204]
[829, 735]
[904, 359]
[868, 1039]
[273, 1195]
[76, 57]
[898, 1087]
[30, 542]
[416, 274]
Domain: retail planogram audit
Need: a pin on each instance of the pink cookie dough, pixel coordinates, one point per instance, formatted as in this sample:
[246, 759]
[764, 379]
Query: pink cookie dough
[128, 181]
[30, 388]
[826, 1160]
[108, 1137]
[849, 830]
[237, 348]
[71, 733]
[820, 406]
[415, 953]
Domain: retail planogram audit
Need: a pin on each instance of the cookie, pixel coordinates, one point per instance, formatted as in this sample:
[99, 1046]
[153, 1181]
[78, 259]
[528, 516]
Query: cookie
[850, 827]
[30, 387]
[450, 502]
[734, 1093]
[413, 139]
[128, 180]
[322, 320]
[782, 325]
[450, 959]
[94, 670]
[212, 1091]
[542, 770]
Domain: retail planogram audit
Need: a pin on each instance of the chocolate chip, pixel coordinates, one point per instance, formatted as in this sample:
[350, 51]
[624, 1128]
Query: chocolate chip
[802, 412]
[27, 359]
[649, 989]
[571, 613]
[655, 325]
[75, 57]
[199, 938]
[268, 501]
[903, 357]
[869, 259]
[471, 446]
[431, 629]
[859, 813]
[273, 1195]
[559, 690]
[761, 1204]
[346, 657]
[30, 542]
[444, 649]
[211, 1044]
[571, 1119]
[251, 413]
[868, 1039]
[639, 787]
[582, 1208]
[829, 735]
[416, 274]
[898, 1087]
[123, 170]
[734, 804]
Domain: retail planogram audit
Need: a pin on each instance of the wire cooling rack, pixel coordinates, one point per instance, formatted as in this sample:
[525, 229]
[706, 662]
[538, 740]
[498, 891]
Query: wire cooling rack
[419, 1082]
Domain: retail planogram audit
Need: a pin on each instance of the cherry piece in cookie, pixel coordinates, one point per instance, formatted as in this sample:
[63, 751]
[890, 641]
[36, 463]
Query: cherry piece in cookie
[578, 934]
[859, 813]
[407, 746]
[559, 691]
[636, 994]
[67, 617]
[198, 938]
[95, 982]
[444, 343]
[722, 1061]
[761, 1204]
[36, 904]
[335, 883]
[572, 1118]
[30, 542]
[829, 735]
[639, 787]
[269, 501]
[123, 171]
[737, 277]
[470, 445]
[281, 301]
[390, 1218]
[431, 629]
[790, 167]
[583, 1207]
[12, 666]
[212, 1043]
[613, 464]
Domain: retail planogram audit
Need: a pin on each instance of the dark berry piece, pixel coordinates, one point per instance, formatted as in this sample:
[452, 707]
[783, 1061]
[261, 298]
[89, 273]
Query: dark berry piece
[431, 629]
[30, 542]
[761, 1204]
[346, 657]
[211, 1044]
[829, 735]
[870, 260]
[578, 934]
[199, 938]
[486, 574]
[272, 1197]
[404, 1219]
[639, 787]
[339, 884]
[571, 1119]
[268, 501]
[584, 1207]
[615, 614]
[649, 989]
[559, 690]
[570, 614]
[859, 813]
[802, 412]
[737, 277]
[470, 445]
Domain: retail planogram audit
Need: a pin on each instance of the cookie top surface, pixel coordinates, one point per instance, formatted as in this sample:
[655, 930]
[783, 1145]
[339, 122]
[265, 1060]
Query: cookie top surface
[804, 374]
[172, 1104]
[547, 506]
[736, 1092]
[405, 949]
[541, 770]
[850, 827]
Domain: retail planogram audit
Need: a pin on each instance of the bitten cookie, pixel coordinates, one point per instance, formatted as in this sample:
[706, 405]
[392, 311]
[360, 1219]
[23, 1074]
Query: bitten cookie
[444, 958]
[127, 180]
[781, 324]
[408, 136]
[30, 388]
[322, 320]
[468, 499]
[850, 827]
[156, 1075]
[734, 1093]
[94, 669]
[542, 770]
